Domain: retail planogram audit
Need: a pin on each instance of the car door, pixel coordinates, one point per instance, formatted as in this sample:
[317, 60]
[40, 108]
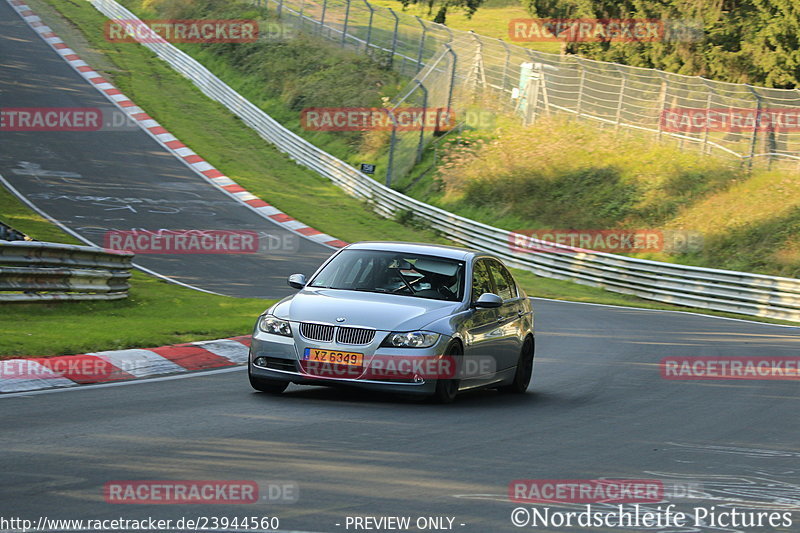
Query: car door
[510, 316]
[483, 344]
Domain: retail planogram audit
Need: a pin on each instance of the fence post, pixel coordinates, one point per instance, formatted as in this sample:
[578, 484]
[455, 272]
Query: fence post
[452, 76]
[619, 102]
[450, 33]
[346, 20]
[369, 28]
[421, 43]
[422, 126]
[706, 147]
[300, 17]
[322, 18]
[392, 145]
[662, 104]
[754, 136]
[506, 63]
[394, 35]
[476, 73]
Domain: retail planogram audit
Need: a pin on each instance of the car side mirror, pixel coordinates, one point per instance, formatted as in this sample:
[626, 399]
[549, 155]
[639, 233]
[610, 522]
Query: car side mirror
[297, 281]
[488, 300]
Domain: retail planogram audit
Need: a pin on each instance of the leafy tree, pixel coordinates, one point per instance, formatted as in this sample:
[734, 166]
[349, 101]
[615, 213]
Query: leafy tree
[742, 41]
[470, 6]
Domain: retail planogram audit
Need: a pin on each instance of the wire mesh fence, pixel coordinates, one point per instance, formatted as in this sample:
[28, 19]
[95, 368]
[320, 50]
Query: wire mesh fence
[457, 69]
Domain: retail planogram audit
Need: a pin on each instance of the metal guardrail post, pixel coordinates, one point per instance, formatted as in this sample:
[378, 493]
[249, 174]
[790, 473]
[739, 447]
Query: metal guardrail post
[346, 21]
[369, 28]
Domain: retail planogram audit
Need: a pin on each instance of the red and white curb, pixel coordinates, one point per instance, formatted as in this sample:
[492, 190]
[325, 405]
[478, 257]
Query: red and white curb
[36, 373]
[165, 138]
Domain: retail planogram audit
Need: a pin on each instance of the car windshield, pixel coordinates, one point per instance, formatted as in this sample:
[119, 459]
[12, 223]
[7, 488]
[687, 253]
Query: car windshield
[421, 276]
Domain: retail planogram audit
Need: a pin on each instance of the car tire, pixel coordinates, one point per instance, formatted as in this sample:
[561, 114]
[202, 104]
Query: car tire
[522, 377]
[447, 389]
[267, 385]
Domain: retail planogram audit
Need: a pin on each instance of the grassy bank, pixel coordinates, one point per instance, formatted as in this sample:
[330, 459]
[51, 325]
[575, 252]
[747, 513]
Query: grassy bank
[154, 314]
[563, 174]
[158, 313]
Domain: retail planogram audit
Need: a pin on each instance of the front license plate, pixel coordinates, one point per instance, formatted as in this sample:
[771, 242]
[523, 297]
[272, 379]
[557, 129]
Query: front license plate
[333, 357]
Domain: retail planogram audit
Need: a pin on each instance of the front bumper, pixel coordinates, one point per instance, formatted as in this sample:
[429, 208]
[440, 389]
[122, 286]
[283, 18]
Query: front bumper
[283, 356]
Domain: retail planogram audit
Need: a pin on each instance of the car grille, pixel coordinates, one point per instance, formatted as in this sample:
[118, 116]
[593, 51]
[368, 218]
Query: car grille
[344, 335]
[317, 332]
[355, 335]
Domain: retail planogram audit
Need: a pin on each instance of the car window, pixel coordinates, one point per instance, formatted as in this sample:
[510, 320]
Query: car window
[503, 282]
[405, 274]
[481, 279]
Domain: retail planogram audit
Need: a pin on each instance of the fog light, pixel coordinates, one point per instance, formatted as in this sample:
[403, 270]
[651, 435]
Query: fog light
[260, 361]
[418, 378]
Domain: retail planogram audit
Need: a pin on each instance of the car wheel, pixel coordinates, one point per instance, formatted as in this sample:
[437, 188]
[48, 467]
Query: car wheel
[522, 377]
[267, 385]
[447, 389]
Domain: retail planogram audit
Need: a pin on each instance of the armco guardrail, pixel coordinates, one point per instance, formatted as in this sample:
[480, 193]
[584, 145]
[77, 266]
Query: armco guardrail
[721, 290]
[42, 271]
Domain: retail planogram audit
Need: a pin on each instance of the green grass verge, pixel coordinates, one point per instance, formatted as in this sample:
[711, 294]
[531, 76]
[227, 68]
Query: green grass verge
[155, 313]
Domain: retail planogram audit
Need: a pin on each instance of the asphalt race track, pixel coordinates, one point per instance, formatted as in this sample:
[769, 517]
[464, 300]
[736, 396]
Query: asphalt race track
[119, 178]
[597, 407]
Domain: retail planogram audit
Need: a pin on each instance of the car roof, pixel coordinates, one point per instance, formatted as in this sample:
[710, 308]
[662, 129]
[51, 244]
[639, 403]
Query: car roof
[439, 250]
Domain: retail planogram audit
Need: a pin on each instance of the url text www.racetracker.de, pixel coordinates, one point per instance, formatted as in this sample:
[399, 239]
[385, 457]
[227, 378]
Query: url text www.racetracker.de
[197, 523]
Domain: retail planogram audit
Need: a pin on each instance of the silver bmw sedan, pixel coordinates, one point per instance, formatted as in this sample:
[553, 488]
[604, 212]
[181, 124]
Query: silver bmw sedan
[398, 317]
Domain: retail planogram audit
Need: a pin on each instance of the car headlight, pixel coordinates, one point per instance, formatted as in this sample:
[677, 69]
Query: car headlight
[276, 326]
[411, 339]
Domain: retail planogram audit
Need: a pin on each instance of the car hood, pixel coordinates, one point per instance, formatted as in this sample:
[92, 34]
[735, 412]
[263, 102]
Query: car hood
[387, 312]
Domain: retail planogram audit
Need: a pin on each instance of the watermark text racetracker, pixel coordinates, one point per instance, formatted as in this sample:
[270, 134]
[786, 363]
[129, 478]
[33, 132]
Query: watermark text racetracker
[604, 240]
[602, 490]
[65, 119]
[164, 241]
[638, 30]
[318, 363]
[721, 367]
[182, 31]
[200, 492]
[195, 523]
[730, 119]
